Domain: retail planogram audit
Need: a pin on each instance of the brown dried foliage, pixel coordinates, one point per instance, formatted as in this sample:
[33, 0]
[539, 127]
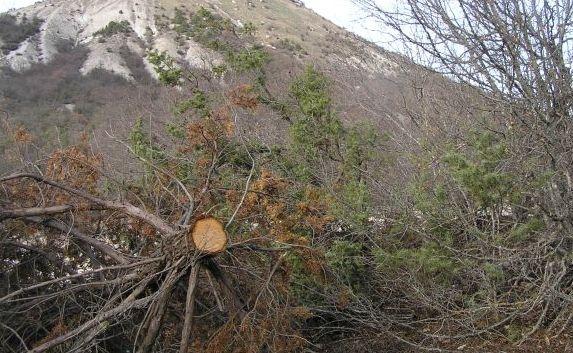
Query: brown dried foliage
[269, 327]
[244, 96]
[208, 131]
[76, 166]
[22, 135]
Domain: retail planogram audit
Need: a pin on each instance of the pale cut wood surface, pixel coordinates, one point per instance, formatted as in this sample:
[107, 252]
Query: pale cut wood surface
[209, 236]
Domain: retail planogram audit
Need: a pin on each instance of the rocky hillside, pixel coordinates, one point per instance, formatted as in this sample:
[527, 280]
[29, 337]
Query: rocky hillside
[282, 24]
[81, 65]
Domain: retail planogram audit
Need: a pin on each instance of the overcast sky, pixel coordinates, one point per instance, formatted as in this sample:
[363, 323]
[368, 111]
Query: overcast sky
[6, 5]
[342, 12]
[345, 14]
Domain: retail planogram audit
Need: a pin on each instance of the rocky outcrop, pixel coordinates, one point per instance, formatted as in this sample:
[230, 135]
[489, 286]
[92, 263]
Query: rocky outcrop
[78, 22]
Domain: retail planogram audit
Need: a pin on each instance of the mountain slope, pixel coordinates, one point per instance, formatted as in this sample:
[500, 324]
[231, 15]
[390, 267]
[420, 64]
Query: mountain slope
[91, 39]
[280, 23]
[57, 81]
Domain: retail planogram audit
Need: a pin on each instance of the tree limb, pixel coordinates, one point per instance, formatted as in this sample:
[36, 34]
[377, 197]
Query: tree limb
[96, 244]
[34, 211]
[189, 308]
[125, 207]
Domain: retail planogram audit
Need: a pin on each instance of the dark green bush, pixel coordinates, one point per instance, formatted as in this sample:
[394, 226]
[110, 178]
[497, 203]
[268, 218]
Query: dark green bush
[247, 59]
[352, 204]
[198, 103]
[311, 92]
[481, 173]
[165, 67]
[203, 26]
[180, 22]
[320, 141]
[142, 145]
[317, 132]
[291, 45]
[113, 28]
[219, 34]
[219, 70]
[13, 33]
[523, 232]
[304, 285]
[249, 29]
[429, 262]
[346, 260]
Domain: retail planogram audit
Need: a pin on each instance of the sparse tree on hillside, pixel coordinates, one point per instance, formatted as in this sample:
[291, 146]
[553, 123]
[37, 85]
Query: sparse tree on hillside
[518, 52]
[510, 193]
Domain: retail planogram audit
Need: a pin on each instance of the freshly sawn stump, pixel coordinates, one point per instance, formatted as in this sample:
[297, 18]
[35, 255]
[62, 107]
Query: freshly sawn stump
[209, 236]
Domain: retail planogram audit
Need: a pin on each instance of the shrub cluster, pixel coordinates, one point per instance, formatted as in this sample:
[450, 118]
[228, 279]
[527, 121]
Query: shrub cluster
[165, 66]
[12, 32]
[114, 28]
[219, 34]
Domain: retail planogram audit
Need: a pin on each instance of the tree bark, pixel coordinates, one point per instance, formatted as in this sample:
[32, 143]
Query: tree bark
[189, 309]
[34, 211]
[125, 207]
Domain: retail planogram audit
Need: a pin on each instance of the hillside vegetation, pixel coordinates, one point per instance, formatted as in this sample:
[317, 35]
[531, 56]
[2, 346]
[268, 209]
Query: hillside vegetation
[14, 32]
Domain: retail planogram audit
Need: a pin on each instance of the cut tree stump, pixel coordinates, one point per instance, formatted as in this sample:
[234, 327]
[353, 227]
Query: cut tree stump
[209, 236]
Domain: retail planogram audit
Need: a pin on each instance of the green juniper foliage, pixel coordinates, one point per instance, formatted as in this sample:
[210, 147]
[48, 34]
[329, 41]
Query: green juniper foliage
[352, 204]
[142, 145]
[525, 231]
[180, 22]
[317, 130]
[347, 261]
[203, 26]
[198, 103]
[304, 286]
[247, 59]
[249, 29]
[318, 137]
[219, 70]
[291, 45]
[481, 174]
[113, 28]
[219, 34]
[429, 262]
[165, 66]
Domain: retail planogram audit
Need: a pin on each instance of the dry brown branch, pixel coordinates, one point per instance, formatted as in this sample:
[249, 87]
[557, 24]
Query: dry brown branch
[34, 211]
[156, 312]
[79, 275]
[100, 319]
[189, 309]
[237, 303]
[58, 263]
[126, 207]
[96, 244]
